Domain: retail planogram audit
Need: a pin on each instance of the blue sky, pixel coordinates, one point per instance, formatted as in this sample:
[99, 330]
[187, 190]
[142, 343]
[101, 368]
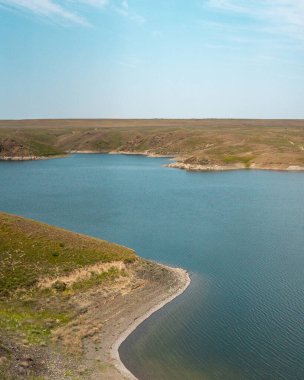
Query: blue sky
[152, 59]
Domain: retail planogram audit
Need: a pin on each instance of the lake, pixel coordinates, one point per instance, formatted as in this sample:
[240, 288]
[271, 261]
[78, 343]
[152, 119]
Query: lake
[240, 234]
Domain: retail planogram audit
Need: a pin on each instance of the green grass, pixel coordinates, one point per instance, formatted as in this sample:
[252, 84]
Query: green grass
[31, 250]
[238, 159]
[43, 149]
[97, 279]
[33, 325]
[35, 302]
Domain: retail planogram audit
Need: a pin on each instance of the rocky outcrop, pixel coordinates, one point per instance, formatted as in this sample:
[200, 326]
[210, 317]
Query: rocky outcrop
[10, 149]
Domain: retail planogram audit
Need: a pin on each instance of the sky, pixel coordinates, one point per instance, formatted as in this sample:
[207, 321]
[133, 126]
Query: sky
[151, 59]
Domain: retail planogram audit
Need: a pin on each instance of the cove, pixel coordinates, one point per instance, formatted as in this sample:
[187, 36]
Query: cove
[240, 234]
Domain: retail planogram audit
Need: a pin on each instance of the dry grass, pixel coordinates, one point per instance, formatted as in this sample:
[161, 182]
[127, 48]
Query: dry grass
[80, 275]
[61, 312]
[268, 143]
[44, 273]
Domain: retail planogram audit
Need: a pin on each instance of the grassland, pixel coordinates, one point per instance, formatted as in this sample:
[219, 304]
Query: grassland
[195, 144]
[58, 291]
[34, 254]
[30, 250]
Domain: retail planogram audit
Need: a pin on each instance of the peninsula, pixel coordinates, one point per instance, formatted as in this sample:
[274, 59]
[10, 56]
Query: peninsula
[67, 301]
[207, 144]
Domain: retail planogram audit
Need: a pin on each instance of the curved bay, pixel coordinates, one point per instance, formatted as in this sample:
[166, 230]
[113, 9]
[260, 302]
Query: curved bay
[240, 234]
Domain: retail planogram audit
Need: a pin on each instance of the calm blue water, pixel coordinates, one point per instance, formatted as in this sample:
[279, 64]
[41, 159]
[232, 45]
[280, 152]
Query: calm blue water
[240, 234]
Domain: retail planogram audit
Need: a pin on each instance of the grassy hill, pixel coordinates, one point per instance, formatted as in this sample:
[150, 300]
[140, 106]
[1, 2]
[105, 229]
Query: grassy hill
[43, 270]
[65, 299]
[274, 144]
[31, 250]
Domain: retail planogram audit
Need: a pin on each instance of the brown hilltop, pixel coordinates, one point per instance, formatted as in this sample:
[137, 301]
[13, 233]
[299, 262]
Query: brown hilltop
[196, 144]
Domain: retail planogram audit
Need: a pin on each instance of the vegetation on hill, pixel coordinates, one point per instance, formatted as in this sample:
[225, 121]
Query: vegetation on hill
[43, 271]
[66, 298]
[249, 143]
[31, 250]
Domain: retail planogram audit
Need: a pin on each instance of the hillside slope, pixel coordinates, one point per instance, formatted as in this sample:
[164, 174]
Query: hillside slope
[65, 298]
[195, 144]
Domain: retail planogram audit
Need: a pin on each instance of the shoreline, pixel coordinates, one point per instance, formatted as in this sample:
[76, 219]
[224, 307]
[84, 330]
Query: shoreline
[31, 158]
[121, 309]
[98, 314]
[23, 158]
[184, 283]
[146, 153]
[174, 165]
[221, 168]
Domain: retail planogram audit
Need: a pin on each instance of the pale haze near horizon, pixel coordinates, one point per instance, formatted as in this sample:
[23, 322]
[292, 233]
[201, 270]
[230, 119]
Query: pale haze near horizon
[144, 59]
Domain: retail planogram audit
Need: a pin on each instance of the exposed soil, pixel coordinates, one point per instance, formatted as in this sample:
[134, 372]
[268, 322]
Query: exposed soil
[83, 348]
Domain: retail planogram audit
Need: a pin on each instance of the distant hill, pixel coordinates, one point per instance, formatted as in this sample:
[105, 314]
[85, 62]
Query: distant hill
[196, 144]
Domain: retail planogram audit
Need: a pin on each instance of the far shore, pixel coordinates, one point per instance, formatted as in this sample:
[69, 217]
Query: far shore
[195, 144]
[31, 158]
[177, 164]
[218, 168]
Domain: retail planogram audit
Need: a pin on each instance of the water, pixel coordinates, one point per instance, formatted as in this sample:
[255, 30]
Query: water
[240, 234]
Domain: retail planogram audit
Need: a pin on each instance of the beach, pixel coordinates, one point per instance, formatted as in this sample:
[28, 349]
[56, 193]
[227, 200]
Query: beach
[124, 313]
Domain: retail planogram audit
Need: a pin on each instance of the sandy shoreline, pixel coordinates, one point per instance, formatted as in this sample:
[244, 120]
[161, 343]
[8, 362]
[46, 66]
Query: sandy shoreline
[22, 158]
[184, 283]
[219, 168]
[146, 153]
[120, 309]
[30, 158]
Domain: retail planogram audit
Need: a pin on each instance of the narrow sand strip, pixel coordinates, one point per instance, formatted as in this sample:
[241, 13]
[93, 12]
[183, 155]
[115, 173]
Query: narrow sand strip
[185, 280]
